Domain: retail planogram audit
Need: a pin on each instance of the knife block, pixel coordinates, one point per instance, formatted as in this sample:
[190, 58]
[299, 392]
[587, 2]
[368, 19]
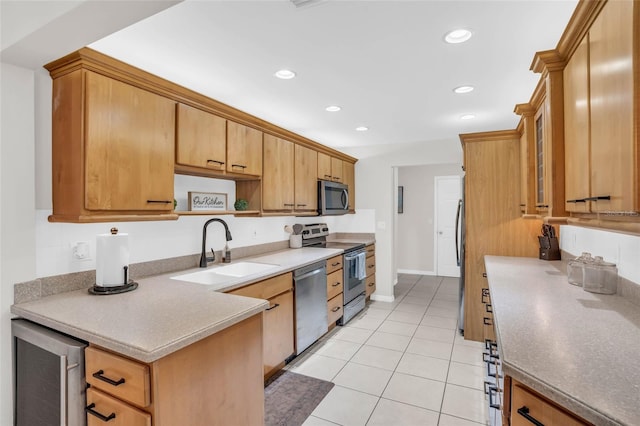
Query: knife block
[549, 248]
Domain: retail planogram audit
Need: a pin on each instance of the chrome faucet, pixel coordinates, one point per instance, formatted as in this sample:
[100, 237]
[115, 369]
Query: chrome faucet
[203, 256]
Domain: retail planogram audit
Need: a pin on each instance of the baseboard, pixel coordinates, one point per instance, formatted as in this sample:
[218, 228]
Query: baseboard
[381, 298]
[415, 272]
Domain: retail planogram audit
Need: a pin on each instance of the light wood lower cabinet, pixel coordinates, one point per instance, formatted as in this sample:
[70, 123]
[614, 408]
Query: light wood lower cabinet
[278, 334]
[528, 407]
[215, 381]
[370, 280]
[102, 408]
[335, 288]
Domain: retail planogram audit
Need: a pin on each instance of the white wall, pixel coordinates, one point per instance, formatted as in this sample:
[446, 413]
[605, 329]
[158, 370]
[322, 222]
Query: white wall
[416, 234]
[619, 248]
[17, 208]
[376, 189]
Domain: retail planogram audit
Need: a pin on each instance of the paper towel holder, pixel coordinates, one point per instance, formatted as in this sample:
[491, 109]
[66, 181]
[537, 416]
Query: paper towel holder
[128, 285]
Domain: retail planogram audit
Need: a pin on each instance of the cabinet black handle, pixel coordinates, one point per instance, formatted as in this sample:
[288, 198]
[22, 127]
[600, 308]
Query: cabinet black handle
[543, 205]
[484, 275]
[336, 178]
[601, 198]
[579, 200]
[160, 201]
[90, 409]
[490, 374]
[492, 391]
[302, 205]
[485, 294]
[239, 165]
[336, 309]
[488, 308]
[289, 205]
[335, 284]
[372, 284]
[486, 321]
[487, 385]
[216, 161]
[272, 307]
[99, 375]
[524, 412]
[335, 264]
[328, 176]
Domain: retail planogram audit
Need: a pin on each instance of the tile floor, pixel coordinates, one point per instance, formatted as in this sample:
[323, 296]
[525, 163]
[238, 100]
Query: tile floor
[401, 363]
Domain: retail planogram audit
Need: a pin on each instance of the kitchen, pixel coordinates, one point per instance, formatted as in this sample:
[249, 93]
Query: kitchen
[155, 240]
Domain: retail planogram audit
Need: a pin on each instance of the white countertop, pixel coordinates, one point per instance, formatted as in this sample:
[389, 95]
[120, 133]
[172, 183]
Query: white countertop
[579, 349]
[162, 315]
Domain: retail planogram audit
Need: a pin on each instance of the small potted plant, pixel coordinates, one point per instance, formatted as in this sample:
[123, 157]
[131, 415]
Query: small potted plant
[241, 204]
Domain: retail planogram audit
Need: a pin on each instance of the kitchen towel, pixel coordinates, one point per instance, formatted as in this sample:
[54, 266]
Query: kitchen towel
[361, 260]
[112, 255]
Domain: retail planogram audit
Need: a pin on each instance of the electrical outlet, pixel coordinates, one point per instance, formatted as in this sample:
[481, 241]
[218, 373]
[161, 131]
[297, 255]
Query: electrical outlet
[81, 251]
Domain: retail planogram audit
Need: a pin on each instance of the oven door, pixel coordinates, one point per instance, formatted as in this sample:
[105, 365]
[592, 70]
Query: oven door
[354, 275]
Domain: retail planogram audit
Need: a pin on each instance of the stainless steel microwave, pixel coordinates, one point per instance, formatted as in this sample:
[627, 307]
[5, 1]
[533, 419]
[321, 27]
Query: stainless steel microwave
[333, 198]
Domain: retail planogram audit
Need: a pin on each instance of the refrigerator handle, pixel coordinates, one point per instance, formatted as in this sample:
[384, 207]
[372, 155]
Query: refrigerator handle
[457, 234]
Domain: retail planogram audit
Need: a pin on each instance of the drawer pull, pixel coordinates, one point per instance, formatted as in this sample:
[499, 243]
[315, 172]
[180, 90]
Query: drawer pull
[335, 264]
[488, 308]
[241, 166]
[99, 375]
[336, 309]
[335, 284]
[272, 307]
[524, 412]
[486, 321]
[371, 266]
[372, 284]
[160, 201]
[602, 198]
[90, 409]
[220, 163]
[328, 176]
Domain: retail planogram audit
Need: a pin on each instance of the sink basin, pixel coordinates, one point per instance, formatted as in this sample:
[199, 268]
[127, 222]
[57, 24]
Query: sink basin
[224, 274]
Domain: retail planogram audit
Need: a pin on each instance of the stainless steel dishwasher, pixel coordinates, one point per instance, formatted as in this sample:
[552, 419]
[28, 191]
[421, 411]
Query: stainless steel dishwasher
[310, 286]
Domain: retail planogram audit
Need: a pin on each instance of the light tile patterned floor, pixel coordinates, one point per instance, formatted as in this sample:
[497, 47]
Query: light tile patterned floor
[401, 363]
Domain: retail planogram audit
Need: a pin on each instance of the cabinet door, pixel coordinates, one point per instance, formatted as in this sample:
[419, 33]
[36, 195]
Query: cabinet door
[527, 406]
[129, 147]
[306, 182]
[244, 149]
[350, 181]
[336, 170]
[278, 331]
[277, 178]
[324, 166]
[201, 138]
[123, 414]
[613, 149]
[576, 128]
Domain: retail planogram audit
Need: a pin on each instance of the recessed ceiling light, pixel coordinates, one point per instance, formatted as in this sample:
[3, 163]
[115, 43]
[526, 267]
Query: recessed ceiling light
[457, 36]
[467, 117]
[285, 74]
[464, 89]
[362, 129]
[333, 108]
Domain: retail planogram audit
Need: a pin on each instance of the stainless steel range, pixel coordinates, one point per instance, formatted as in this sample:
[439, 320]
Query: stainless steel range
[354, 259]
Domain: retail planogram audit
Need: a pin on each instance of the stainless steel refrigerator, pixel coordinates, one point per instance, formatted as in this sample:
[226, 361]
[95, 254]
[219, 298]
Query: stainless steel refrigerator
[460, 240]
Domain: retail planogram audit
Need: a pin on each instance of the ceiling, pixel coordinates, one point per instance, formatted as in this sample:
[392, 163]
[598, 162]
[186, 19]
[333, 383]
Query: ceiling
[383, 62]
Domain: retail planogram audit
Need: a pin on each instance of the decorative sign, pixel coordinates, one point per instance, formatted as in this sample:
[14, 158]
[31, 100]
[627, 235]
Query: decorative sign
[199, 201]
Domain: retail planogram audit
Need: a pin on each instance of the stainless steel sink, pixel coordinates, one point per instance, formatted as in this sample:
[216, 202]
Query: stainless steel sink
[222, 275]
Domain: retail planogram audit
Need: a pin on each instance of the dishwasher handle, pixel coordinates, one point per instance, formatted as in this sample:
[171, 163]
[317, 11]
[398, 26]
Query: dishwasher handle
[308, 274]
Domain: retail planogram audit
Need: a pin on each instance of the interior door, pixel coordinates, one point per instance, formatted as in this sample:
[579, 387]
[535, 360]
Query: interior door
[447, 194]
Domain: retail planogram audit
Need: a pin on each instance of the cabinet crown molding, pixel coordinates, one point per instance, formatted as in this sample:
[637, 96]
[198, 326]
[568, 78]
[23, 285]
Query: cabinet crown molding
[489, 136]
[547, 60]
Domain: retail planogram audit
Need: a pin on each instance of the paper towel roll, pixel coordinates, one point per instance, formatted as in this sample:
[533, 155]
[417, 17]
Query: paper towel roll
[112, 255]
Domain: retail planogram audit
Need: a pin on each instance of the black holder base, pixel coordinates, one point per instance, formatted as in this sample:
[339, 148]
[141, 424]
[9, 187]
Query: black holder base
[100, 290]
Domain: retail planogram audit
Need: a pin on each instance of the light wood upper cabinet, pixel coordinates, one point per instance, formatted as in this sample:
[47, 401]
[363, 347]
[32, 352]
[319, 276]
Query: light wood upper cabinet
[350, 181]
[277, 179]
[305, 182]
[330, 168]
[527, 158]
[336, 170]
[201, 138]
[129, 147]
[113, 150]
[614, 146]
[244, 149]
[576, 129]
